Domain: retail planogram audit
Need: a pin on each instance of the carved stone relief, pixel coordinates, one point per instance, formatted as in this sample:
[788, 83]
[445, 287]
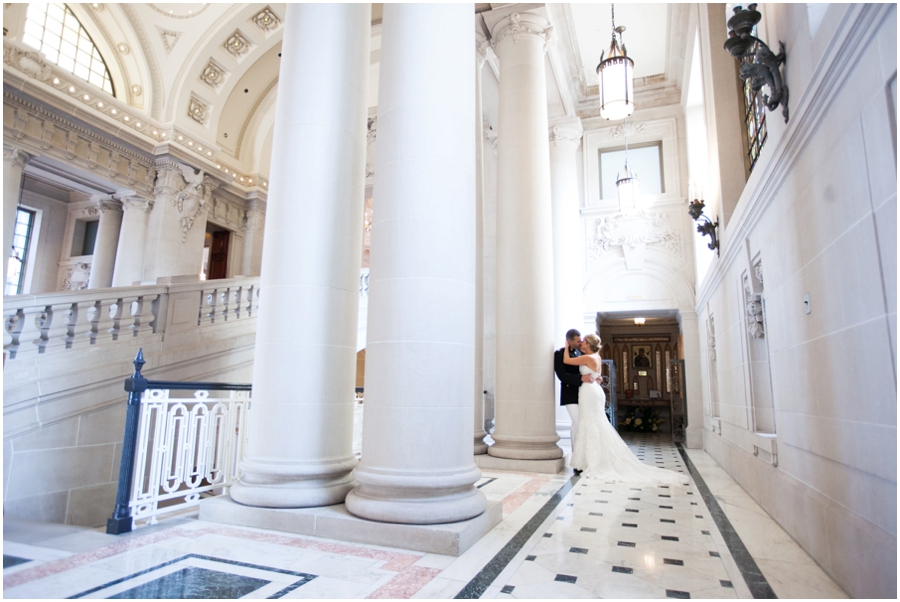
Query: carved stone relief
[169, 38]
[198, 110]
[189, 202]
[372, 127]
[634, 230]
[637, 127]
[237, 45]
[755, 320]
[266, 20]
[711, 339]
[76, 278]
[31, 63]
[213, 74]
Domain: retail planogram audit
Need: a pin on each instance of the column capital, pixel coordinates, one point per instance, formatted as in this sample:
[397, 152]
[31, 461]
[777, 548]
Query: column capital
[482, 45]
[519, 25]
[566, 131]
[108, 203]
[136, 203]
[16, 156]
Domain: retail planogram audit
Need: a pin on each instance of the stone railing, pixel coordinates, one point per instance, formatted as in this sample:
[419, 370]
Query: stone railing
[56, 322]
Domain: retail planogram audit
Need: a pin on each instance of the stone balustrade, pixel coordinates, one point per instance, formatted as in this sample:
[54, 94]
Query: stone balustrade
[55, 322]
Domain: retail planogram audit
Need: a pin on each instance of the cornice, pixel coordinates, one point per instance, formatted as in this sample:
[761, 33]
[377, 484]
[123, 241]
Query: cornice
[842, 57]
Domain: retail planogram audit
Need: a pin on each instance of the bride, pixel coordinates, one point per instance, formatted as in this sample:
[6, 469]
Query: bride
[599, 452]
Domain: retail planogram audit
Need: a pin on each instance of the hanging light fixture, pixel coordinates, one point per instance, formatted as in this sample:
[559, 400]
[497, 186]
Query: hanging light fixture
[627, 183]
[616, 75]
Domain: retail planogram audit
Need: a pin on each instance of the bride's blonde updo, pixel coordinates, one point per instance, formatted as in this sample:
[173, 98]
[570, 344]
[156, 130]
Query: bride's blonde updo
[593, 342]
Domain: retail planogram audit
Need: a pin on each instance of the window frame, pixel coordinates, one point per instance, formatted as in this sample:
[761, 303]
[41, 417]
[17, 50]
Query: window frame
[25, 251]
[632, 147]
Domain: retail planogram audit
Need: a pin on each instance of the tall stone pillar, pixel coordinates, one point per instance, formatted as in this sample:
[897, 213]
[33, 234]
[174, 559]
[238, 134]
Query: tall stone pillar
[480, 433]
[417, 465]
[104, 261]
[14, 161]
[250, 259]
[129, 267]
[525, 413]
[565, 137]
[690, 339]
[177, 224]
[300, 447]
[489, 163]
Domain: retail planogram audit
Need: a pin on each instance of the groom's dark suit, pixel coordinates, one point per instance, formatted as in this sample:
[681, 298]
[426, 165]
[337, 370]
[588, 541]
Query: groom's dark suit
[569, 378]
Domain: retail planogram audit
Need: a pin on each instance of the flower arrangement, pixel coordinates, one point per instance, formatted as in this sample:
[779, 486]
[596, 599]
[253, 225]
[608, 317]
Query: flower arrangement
[641, 421]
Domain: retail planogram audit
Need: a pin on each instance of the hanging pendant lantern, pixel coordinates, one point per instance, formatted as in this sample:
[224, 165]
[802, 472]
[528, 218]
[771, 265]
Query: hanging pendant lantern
[616, 77]
[629, 188]
[628, 185]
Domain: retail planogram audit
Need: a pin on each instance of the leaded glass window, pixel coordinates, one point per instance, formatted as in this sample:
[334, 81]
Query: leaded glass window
[56, 32]
[754, 122]
[15, 268]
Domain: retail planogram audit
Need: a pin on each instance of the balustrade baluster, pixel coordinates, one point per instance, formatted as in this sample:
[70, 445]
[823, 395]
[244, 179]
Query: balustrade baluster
[94, 315]
[154, 311]
[115, 315]
[71, 324]
[43, 319]
[236, 300]
[224, 298]
[13, 324]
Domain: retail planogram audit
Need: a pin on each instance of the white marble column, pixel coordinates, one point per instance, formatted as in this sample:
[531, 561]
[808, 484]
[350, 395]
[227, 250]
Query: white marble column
[14, 161]
[250, 235]
[690, 339]
[104, 261]
[525, 413]
[480, 433]
[568, 240]
[568, 243]
[417, 465]
[129, 267]
[300, 447]
[489, 167]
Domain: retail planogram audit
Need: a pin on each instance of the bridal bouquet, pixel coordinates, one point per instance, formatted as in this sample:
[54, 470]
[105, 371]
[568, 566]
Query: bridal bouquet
[641, 421]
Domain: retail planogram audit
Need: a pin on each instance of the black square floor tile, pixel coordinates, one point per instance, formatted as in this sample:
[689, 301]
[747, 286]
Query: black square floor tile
[560, 518]
[198, 582]
[507, 589]
[674, 561]
[693, 503]
[667, 507]
[715, 554]
[530, 557]
[595, 514]
[627, 544]
[674, 593]
[669, 537]
[578, 550]
[629, 525]
[566, 578]
[589, 529]
[548, 534]
[605, 491]
[725, 583]
[634, 489]
[664, 495]
[635, 499]
[667, 520]
[601, 501]
[631, 510]
[9, 560]
[622, 569]
[663, 486]
[698, 516]
[705, 532]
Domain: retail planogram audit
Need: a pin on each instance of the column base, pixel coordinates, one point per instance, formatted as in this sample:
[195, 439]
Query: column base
[335, 522]
[288, 485]
[480, 446]
[518, 447]
[489, 462]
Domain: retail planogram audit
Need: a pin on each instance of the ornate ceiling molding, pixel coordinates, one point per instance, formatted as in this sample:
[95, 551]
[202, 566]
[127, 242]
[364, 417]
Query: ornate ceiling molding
[172, 15]
[156, 104]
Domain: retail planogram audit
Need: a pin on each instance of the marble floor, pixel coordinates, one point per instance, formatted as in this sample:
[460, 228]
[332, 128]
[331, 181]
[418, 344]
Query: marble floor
[562, 537]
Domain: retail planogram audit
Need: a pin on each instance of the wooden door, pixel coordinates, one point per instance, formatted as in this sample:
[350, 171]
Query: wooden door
[218, 255]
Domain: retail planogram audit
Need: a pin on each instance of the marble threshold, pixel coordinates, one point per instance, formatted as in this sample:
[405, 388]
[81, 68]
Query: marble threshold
[561, 537]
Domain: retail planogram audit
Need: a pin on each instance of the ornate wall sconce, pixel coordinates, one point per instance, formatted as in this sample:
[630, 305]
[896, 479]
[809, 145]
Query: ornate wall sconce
[758, 63]
[706, 228]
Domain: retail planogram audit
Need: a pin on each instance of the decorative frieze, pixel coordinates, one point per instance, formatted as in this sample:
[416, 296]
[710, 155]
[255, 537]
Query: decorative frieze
[266, 20]
[636, 128]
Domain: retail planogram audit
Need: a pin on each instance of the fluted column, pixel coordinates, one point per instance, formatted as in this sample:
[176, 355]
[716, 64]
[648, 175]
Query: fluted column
[129, 266]
[14, 161]
[525, 425]
[417, 465]
[300, 447]
[104, 261]
[480, 433]
[567, 234]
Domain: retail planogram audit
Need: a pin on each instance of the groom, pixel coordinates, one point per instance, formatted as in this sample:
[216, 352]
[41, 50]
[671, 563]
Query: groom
[570, 379]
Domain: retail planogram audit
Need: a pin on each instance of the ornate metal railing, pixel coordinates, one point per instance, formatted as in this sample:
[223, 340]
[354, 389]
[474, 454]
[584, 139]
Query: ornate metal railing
[176, 448]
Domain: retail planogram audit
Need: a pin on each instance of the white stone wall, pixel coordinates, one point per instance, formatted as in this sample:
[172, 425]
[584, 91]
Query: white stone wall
[49, 229]
[819, 210]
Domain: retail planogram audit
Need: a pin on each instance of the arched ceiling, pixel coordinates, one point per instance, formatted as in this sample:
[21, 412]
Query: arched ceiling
[210, 70]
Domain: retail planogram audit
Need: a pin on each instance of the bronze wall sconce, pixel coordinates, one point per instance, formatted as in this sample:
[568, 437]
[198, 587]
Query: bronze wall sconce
[758, 63]
[707, 228]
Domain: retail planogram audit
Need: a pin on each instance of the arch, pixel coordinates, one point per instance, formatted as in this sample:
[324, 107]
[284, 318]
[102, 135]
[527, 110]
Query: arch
[64, 41]
[612, 287]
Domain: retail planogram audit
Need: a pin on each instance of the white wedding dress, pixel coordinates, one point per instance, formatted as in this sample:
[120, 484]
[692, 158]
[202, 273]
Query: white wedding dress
[600, 453]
